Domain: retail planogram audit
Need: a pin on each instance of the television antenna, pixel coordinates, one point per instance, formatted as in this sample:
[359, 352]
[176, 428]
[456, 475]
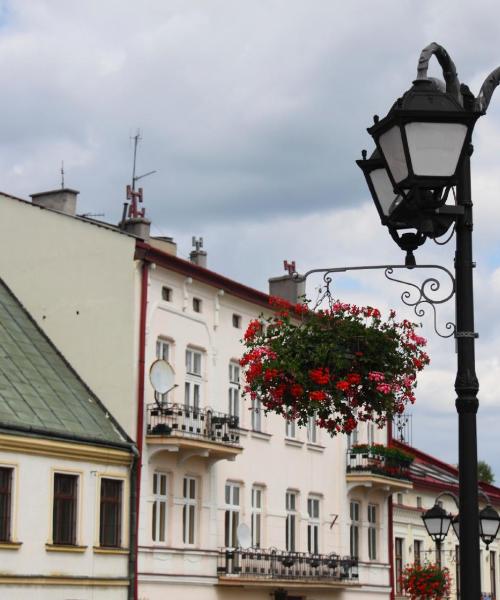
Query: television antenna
[137, 138]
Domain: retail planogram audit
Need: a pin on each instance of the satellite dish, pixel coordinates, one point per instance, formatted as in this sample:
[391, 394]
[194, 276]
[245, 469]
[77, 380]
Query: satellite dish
[244, 536]
[162, 376]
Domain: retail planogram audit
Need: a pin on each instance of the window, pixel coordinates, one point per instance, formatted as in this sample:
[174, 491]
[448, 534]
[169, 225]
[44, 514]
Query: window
[291, 520]
[162, 349]
[162, 353]
[192, 387]
[399, 498]
[354, 532]
[419, 501]
[110, 530]
[159, 524]
[256, 520]
[64, 509]
[352, 438]
[313, 525]
[312, 432]
[189, 510]
[6, 474]
[398, 562]
[290, 428]
[166, 294]
[372, 532]
[417, 552]
[237, 321]
[232, 515]
[370, 433]
[256, 414]
[234, 389]
[197, 305]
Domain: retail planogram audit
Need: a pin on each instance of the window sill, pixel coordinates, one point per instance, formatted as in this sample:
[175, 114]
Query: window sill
[104, 550]
[315, 447]
[64, 548]
[260, 435]
[10, 545]
[293, 442]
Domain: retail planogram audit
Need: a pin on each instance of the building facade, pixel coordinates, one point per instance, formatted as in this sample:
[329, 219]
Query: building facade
[434, 480]
[65, 475]
[316, 508]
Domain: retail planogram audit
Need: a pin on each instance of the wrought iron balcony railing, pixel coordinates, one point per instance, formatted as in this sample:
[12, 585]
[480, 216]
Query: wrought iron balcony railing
[205, 424]
[278, 564]
[379, 460]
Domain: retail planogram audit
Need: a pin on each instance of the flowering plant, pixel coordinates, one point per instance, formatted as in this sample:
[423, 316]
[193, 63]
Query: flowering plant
[387, 452]
[426, 581]
[340, 365]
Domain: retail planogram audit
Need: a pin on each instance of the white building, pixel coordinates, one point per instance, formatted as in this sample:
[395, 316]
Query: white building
[435, 480]
[113, 303]
[65, 484]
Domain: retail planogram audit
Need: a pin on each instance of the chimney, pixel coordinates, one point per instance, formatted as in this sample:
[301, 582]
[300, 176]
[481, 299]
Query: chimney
[138, 226]
[286, 286]
[198, 256]
[63, 200]
[165, 244]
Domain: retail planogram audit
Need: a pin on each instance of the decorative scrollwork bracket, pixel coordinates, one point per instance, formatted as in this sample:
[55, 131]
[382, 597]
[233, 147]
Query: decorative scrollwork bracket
[419, 297]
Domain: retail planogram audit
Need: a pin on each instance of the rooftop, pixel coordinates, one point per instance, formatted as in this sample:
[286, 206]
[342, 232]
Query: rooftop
[40, 393]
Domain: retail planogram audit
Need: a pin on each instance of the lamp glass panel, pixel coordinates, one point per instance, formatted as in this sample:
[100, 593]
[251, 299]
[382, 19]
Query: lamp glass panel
[391, 145]
[488, 527]
[434, 525]
[435, 147]
[383, 189]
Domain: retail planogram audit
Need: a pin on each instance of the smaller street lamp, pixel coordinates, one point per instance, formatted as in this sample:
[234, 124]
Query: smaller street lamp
[489, 524]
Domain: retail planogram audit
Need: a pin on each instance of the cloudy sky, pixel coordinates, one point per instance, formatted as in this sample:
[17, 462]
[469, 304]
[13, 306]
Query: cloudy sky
[253, 113]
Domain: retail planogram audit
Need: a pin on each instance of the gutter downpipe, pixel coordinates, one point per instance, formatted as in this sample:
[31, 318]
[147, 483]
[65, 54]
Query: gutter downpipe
[390, 531]
[140, 413]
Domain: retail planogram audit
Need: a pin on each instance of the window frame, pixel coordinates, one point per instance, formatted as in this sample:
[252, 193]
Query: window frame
[398, 562]
[372, 510]
[232, 512]
[256, 415]
[194, 378]
[354, 513]
[189, 511]
[197, 305]
[236, 320]
[313, 524]
[116, 501]
[256, 516]
[312, 429]
[168, 292]
[57, 506]
[291, 525]
[290, 429]
[7, 520]
[160, 504]
[234, 389]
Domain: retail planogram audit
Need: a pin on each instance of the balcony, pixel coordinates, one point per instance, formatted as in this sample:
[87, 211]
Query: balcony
[295, 570]
[379, 467]
[192, 431]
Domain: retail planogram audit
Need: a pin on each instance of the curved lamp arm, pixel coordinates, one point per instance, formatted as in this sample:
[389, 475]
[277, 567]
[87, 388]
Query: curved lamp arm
[489, 86]
[450, 494]
[448, 66]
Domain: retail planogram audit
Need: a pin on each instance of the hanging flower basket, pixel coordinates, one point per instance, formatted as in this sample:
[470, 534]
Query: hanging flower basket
[341, 365]
[426, 582]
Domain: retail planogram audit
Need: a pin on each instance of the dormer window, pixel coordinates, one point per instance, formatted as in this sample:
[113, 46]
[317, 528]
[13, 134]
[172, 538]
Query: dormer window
[166, 294]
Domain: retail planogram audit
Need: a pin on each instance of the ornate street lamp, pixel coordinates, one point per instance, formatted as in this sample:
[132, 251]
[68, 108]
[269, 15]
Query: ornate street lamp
[424, 143]
[437, 523]
[489, 523]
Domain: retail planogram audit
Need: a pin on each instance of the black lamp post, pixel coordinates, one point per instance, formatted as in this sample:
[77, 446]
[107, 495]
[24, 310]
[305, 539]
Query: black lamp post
[424, 144]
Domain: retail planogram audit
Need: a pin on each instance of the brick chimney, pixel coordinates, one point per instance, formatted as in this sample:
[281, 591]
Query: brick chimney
[286, 286]
[198, 256]
[63, 200]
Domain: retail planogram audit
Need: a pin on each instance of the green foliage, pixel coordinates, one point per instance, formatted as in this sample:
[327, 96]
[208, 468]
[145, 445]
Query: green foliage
[484, 472]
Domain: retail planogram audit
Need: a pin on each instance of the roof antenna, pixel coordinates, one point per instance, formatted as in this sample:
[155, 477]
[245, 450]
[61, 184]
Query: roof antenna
[132, 211]
[62, 174]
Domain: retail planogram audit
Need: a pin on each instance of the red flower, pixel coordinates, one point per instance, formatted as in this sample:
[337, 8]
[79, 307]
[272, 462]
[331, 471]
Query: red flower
[296, 390]
[342, 385]
[320, 376]
[354, 378]
[317, 396]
